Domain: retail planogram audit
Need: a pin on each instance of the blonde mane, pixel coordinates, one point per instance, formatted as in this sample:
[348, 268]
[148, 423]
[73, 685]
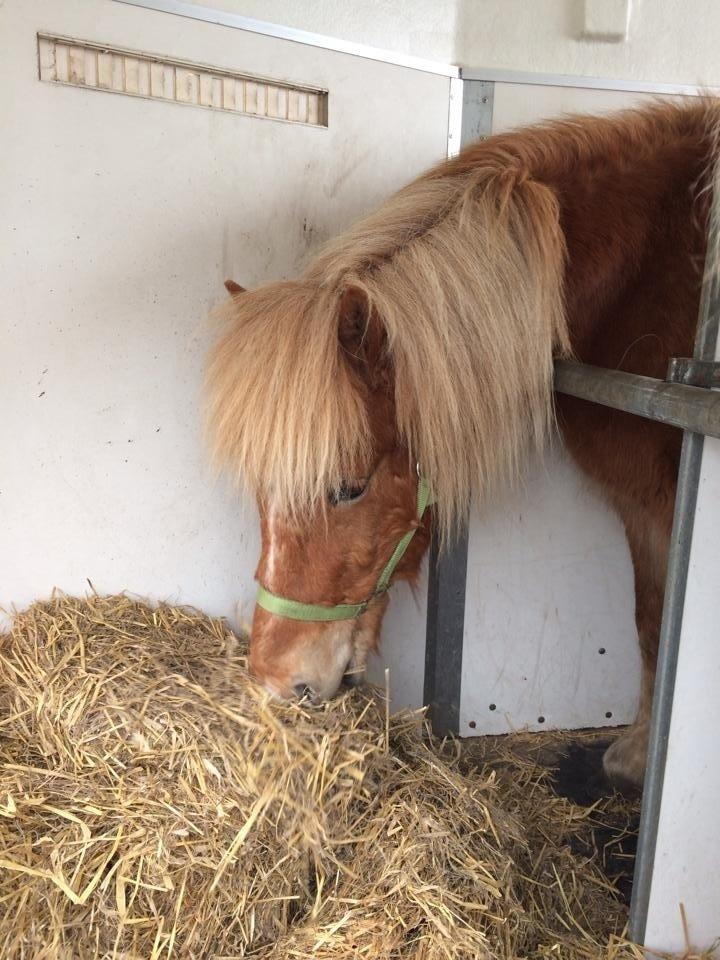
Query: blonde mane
[464, 268]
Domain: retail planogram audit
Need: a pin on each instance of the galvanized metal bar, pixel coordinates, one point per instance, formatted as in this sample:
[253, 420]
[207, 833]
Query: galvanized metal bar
[445, 627]
[690, 408]
[678, 564]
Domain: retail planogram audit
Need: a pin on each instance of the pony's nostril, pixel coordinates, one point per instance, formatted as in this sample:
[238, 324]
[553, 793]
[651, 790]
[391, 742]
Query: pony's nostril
[303, 690]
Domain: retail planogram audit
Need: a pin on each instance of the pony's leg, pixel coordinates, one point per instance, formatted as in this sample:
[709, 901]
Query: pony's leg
[648, 534]
[634, 464]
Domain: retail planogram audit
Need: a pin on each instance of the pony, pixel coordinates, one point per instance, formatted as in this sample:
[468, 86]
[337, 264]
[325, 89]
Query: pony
[418, 348]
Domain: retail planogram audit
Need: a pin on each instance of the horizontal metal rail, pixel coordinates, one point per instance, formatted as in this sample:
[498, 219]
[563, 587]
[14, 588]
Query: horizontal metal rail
[224, 18]
[690, 408]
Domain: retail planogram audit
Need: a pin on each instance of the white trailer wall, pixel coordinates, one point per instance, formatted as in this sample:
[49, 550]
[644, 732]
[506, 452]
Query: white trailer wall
[123, 218]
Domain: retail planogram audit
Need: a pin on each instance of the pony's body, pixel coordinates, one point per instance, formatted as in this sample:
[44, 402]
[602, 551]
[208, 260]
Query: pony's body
[635, 233]
[429, 333]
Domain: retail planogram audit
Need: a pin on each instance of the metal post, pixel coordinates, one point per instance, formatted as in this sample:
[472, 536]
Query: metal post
[690, 462]
[447, 573]
[444, 636]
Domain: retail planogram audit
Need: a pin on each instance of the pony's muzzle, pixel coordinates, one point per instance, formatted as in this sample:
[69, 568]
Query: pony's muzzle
[296, 660]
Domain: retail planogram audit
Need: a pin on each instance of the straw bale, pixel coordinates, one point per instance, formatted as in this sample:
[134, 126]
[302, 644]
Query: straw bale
[154, 804]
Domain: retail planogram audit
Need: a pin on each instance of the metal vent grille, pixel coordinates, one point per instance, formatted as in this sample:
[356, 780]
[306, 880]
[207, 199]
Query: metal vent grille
[81, 63]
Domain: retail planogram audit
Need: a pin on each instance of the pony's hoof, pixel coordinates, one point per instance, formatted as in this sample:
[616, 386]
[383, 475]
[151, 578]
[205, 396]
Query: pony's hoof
[354, 678]
[579, 774]
[624, 761]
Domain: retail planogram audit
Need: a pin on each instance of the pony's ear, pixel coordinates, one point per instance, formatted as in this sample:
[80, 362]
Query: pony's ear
[362, 337]
[233, 288]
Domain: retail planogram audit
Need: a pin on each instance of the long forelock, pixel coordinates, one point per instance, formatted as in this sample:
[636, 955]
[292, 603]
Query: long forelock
[284, 411]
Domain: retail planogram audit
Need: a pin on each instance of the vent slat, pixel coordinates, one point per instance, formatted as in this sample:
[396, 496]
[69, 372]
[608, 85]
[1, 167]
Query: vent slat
[62, 64]
[104, 70]
[77, 66]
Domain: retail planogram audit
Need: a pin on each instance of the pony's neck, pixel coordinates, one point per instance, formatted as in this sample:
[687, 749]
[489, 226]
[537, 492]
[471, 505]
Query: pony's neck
[654, 245]
[635, 235]
[633, 214]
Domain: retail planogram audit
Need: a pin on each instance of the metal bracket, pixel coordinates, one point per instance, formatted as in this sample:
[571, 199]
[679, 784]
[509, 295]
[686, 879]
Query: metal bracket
[477, 110]
[470, 113]
[694, 373]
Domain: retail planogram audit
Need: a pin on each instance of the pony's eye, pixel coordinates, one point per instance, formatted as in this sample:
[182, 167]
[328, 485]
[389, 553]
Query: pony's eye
[347, 492]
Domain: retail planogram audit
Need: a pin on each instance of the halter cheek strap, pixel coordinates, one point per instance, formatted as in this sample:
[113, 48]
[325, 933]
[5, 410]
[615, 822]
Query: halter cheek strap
[296, 610]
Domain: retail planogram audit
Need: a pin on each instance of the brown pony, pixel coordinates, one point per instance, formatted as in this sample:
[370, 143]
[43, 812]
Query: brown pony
[426, 336]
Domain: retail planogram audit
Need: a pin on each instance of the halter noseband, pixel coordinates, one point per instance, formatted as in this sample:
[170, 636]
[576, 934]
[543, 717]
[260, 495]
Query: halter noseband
[296, 610]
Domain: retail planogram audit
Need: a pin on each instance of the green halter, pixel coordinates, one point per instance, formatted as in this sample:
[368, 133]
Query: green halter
[295, 610]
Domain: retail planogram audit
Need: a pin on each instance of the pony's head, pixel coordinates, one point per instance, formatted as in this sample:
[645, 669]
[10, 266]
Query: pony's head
[398, 364]
[323, 581]
[329, 551]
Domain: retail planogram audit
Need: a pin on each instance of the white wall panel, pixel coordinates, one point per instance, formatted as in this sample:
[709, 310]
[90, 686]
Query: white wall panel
[517, 104]
[120, 218]
[550, 639]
